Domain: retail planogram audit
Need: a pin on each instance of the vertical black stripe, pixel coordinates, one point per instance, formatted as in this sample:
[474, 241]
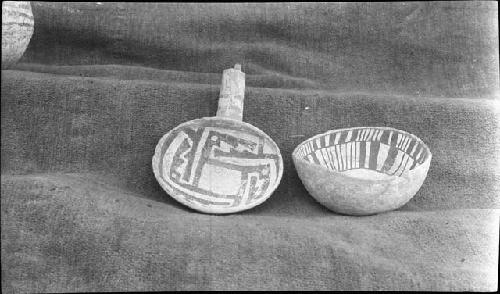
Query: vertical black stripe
[404, 167]
[261, 145]
[391, 157]
[343, 136]
[253, 182]
[354, 135]
[423, 156]
[385, 137]
[195, 136]
[370, 134]
[415, 155]
[330, 157]
[399, 166]
[408, 143]
[410, 147]
[347, 139]
[413, 165]
[353, 155]
[394, 139]
[326, 154]
[332, 139]
[362, 154]
[315, 159]
[338, 153]
[349, 154]
[374, 148]
[367, 133]
[362, 134]
[324, 140]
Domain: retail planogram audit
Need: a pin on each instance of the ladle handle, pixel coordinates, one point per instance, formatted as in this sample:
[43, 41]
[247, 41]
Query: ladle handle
[232, 92]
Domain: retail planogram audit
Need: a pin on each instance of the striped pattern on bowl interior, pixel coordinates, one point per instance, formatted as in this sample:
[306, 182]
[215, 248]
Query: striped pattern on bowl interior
[384, 150]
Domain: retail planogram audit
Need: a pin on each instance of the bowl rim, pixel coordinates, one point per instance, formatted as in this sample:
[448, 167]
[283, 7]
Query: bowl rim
[212, 210]
[392, 178]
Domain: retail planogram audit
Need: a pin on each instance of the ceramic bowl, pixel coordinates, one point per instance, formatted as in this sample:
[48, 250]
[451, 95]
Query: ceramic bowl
[17, 29]
[363, 170]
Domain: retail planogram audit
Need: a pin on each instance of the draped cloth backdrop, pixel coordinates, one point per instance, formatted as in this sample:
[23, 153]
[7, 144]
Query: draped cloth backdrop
[100, 83]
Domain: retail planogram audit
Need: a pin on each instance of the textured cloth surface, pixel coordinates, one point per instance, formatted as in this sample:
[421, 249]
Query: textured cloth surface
[101, 83]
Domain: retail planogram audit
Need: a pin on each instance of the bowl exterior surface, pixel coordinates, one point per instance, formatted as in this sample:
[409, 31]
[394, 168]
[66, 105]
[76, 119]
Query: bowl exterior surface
[320, 162]
[17, 29]
[347, 195]
[218, 165]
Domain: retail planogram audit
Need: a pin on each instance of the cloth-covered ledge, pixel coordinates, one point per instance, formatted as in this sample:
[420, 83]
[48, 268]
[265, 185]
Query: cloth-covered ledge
[100, 84]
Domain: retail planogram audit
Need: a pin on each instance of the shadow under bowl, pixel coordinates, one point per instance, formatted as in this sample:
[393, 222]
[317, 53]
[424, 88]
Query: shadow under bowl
[362, 170]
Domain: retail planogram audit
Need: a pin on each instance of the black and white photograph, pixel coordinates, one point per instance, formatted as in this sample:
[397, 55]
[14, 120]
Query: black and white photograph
[250, 146]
